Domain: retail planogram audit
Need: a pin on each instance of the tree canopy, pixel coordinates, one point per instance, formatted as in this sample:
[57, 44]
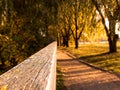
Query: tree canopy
[25, 27]
[110, 10]
[76, 19]
[82, 19]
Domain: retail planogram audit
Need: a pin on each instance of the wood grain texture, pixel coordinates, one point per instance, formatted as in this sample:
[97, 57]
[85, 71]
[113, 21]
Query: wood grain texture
[34, 73]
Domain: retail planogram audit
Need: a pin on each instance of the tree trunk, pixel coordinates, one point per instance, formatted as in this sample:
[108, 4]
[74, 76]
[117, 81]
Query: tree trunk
[113, 44]
[2, 61]
[112, 37]
[76, 43]
[1, 58]
[2, 66]
[63, 41]
[67, 43]
[58, 41]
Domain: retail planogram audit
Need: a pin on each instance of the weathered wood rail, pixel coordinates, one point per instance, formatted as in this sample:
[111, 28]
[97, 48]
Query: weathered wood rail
[38, 72]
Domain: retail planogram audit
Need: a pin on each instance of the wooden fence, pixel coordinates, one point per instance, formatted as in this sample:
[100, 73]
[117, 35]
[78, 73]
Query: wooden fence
[38, 72]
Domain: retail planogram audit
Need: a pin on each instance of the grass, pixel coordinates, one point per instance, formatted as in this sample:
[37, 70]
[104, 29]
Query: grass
[97, 55]
[59, 81]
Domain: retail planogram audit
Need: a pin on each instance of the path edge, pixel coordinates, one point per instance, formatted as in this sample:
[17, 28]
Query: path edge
[88, 64]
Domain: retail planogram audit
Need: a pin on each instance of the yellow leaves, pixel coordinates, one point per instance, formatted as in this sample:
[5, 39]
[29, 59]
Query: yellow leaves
[0, 35]
[23, 46]
[4, 37]
[4, 87]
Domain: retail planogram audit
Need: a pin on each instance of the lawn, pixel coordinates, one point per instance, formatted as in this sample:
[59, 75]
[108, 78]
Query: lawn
[59, 80]
[97, 55]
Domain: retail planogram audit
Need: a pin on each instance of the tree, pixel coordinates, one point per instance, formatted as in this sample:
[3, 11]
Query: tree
[80, 10]
[25, 27]
[64, 23]
[109, 9]
[77, 15]
[73, 17]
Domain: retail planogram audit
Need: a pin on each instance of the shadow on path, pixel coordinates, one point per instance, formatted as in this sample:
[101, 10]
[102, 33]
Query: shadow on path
[78, 76]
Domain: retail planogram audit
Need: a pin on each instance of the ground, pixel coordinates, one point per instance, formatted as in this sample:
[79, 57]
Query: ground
[79, 76]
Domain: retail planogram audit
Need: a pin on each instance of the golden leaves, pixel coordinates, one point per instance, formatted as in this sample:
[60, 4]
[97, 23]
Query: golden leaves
[4, 87]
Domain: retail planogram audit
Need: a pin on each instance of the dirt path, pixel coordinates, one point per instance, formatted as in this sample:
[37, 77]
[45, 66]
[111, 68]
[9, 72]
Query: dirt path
[78, 76]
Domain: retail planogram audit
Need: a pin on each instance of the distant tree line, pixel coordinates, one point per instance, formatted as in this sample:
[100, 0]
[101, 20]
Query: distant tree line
[86, 18]
[74, 18]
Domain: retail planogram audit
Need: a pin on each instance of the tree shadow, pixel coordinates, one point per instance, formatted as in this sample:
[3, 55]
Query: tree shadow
[98, 57]
[84, 77]
[89, 56]
[114, 85]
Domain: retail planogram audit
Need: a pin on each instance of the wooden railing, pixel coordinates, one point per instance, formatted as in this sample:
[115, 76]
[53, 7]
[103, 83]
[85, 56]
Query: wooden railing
[38, 72]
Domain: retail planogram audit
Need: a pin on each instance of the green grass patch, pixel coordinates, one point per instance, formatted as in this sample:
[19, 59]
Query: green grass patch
[97, 54]
[60, 82]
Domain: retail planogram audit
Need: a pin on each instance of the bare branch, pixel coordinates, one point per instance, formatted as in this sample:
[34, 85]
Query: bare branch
[103, 19]
[73, 33]
[117, 3]
[109, 15]
[81, 31]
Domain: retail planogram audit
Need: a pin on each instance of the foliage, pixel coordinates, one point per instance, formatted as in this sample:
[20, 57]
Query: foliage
[81, 19]
[77, 19]
[24, 29]
[109, 9]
